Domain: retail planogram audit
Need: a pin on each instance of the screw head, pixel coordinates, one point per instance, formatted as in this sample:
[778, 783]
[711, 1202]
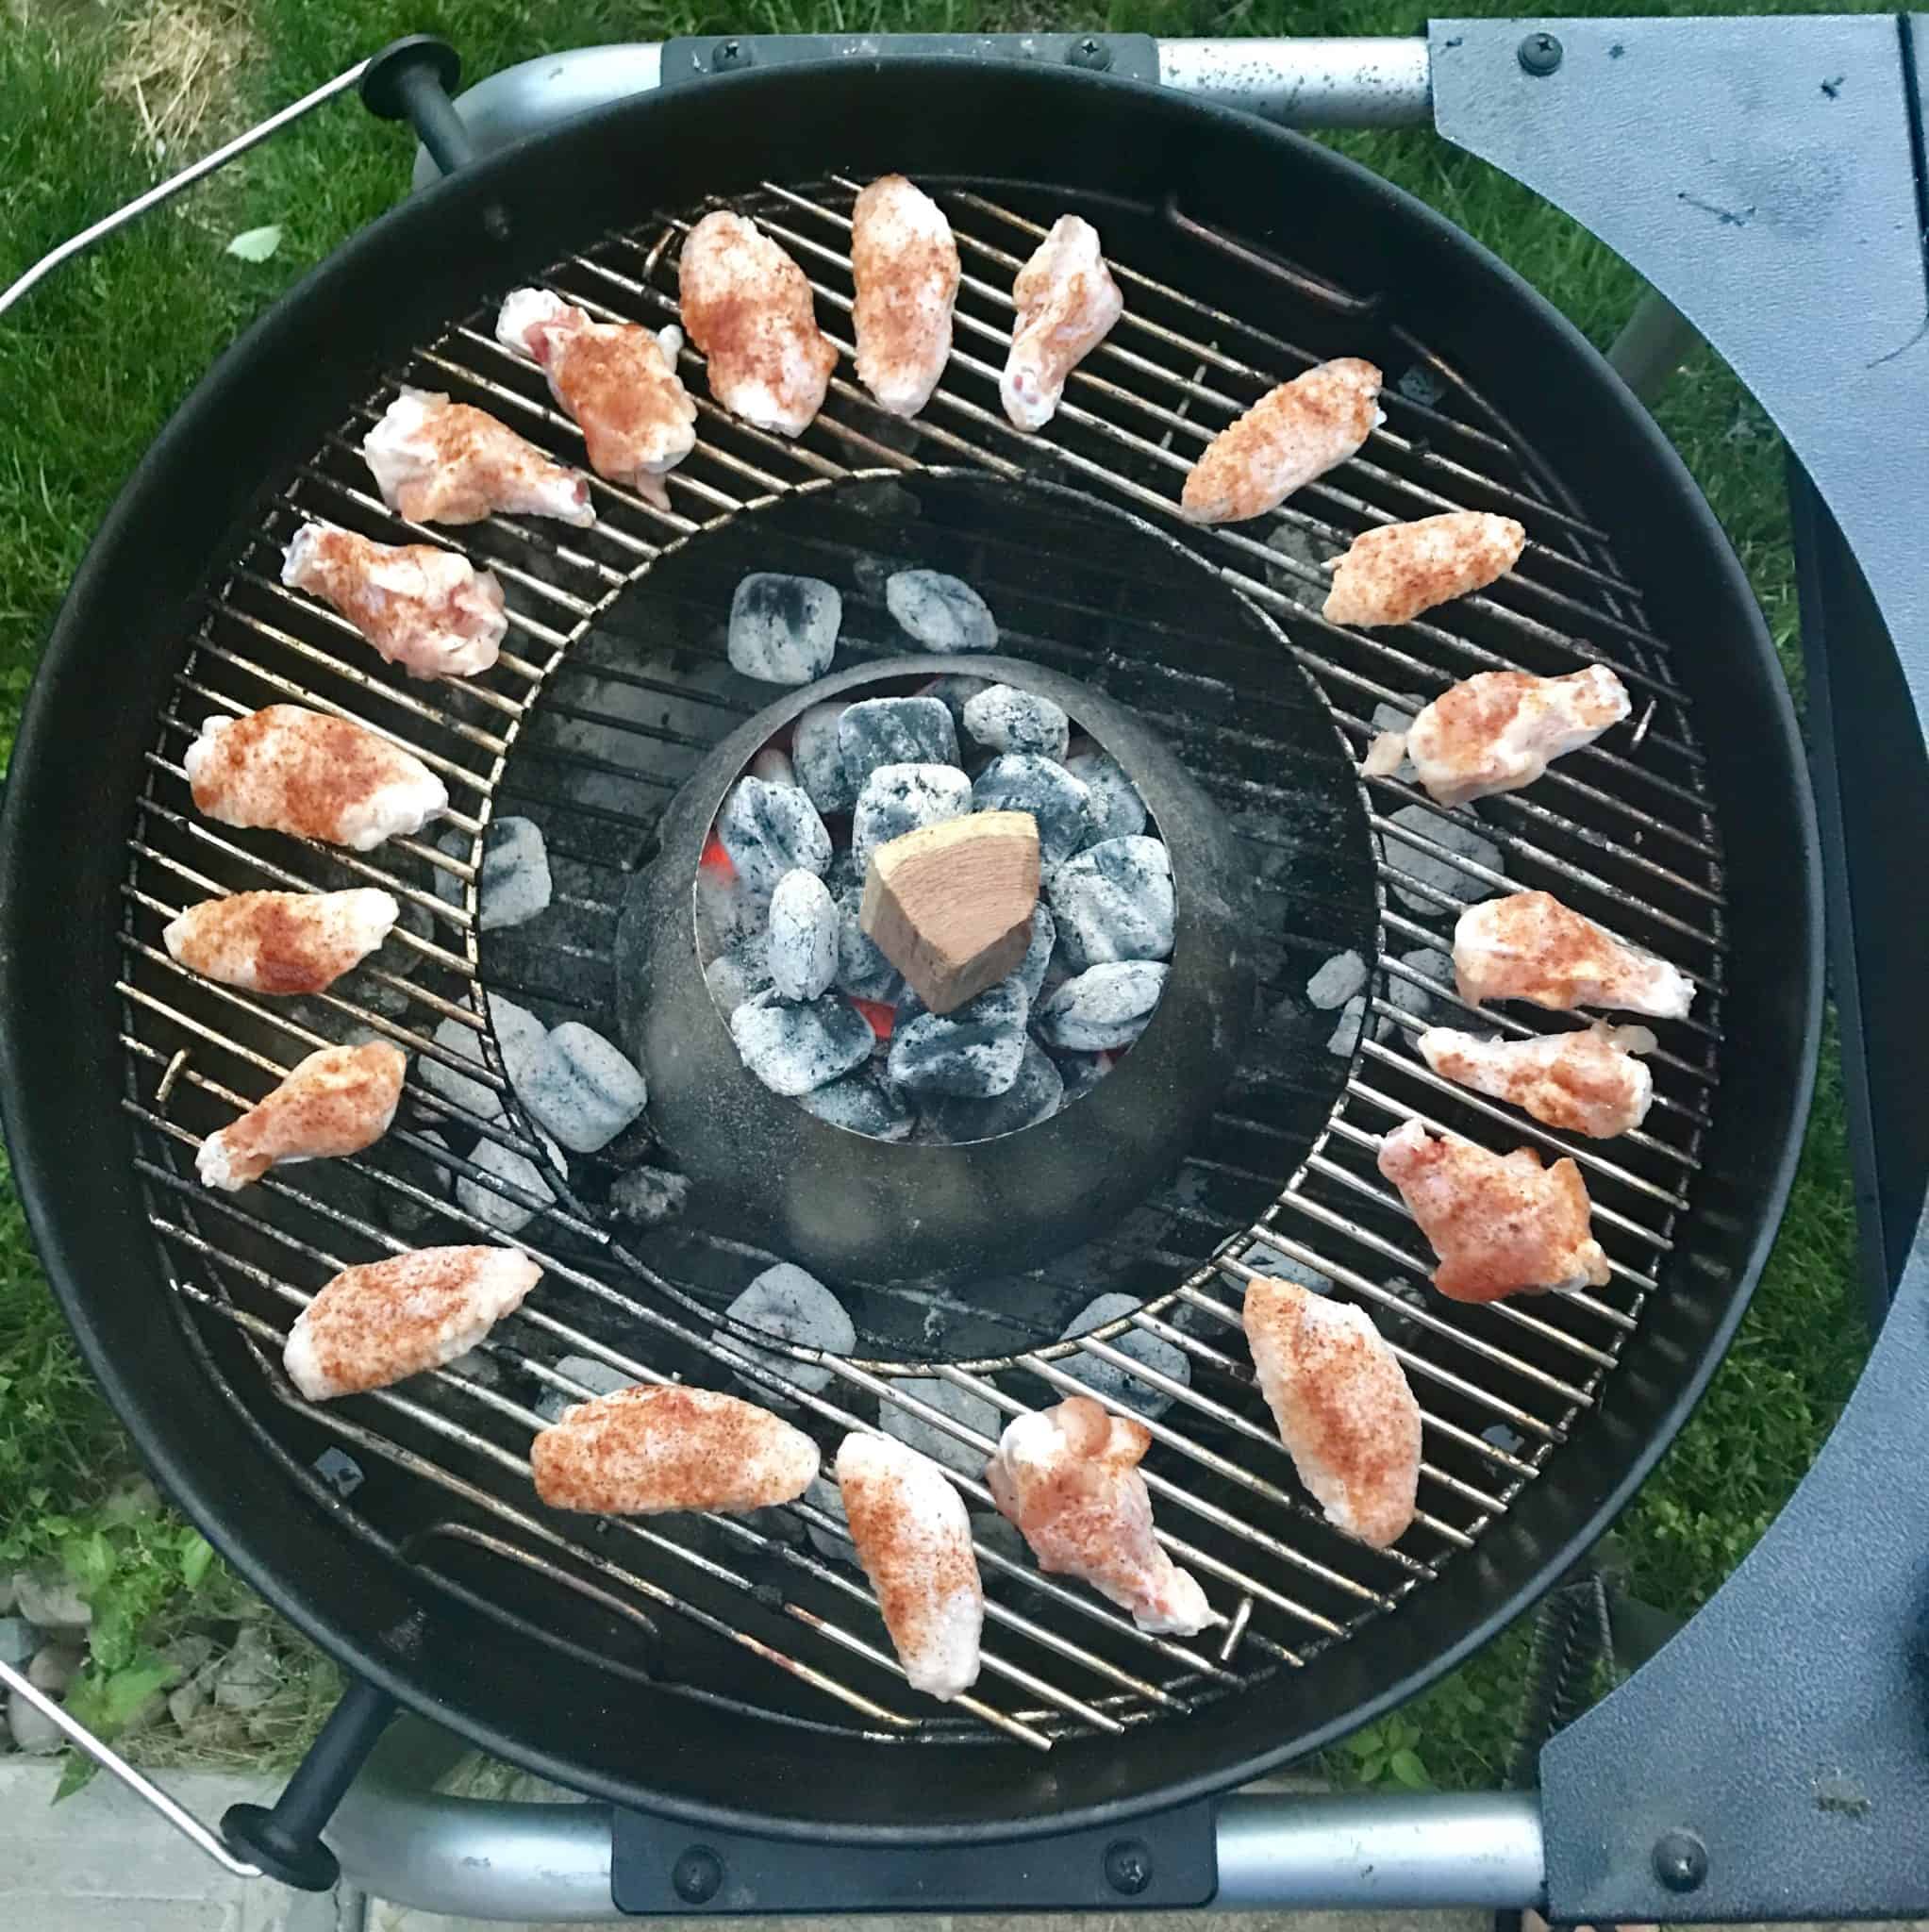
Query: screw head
[1128, 1866]
[729, 54]
[1540, 54]
[1090, 52]
[1681, 1860]
[697, 1875]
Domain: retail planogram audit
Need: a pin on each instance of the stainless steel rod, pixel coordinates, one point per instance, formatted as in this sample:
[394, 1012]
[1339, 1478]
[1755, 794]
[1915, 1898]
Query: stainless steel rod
[1308, 81]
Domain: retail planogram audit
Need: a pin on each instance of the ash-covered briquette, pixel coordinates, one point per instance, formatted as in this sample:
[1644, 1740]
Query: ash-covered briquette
[862, 970]
[1113, 806]
[788, 1304]
[1456, 834]
[513, 1169]
[519, 1034]
[515, 883]
[1024, 781]
[954, 691]
[792, 1049]
[1106, 1378]
[783, 629]
[767, 831]
[1033, 1096]
[803, 948]
[1337, 981]
[974, 1051]
[818, 758]
[581, 1088]
[940, 612]
[730, 911]
[1347, 1028]
[738, 973]
[1105, 1007]
[1030, 972]
[772, 766]
[459, 1038]
[862, 1103]
[895, 731]
[1402, 994]
[1007, 719]
[974, 1413]
[1114, 901]
[897, 799]
[650, 1197]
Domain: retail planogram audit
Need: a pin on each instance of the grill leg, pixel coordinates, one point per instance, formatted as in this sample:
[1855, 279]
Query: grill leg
[286, 1841]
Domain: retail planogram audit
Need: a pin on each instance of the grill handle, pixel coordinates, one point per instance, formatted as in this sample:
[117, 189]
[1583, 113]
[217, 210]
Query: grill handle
[399, 1839]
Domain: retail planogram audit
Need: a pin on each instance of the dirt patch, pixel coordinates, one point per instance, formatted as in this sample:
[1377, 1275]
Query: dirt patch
[173, 66]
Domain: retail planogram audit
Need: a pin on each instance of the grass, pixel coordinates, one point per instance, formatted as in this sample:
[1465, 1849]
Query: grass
[91, 366]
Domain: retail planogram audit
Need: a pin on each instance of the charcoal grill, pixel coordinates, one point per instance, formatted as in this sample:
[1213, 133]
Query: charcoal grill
[689, 1669]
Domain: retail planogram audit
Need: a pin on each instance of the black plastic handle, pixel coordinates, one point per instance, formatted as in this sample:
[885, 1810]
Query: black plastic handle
[411, 79]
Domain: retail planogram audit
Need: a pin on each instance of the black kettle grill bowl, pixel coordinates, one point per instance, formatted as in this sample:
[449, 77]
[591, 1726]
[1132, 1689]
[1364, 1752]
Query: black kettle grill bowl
[849, 1205]
[238, 1462]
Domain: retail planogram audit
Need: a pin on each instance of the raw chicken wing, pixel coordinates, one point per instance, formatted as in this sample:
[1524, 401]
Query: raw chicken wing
[375, 1324]
[426, 610]
[646, 1452]
[338, 1101]
[311, 776]
[1068, 1479]
[1501, 1225]
[1343, 1407]
[442, 462]
[914, 1540]
[1499, 730]
[1529, 946]
[1067, 304]
[281, 941]
[1587, 1082]
[747, 307]
[1394, 573]
[905, 265]
[1287, 439]
[618, 382]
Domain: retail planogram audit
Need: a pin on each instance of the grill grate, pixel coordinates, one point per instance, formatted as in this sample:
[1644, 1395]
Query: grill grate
[1623, 833]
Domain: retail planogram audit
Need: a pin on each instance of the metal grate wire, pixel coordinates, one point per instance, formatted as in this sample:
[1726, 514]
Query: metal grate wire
[1623, 832]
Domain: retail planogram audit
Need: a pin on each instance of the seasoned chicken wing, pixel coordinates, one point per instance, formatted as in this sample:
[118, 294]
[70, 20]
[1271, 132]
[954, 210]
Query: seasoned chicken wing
[1529, 946]
[747, 307]
[1500, 730]
[904, 263]
[646, 1452]
[1067, 304]
[1343, 1407]
[311, 776]
[1587, 1082]
[1287, 439]
[1501, 1224]
[618, 382]
[281, 941]
[428, 611]
[1068, 1479]
[914, 1540]
[1394, 572]
[375, 1324]
[338, 1101]
[442, 462]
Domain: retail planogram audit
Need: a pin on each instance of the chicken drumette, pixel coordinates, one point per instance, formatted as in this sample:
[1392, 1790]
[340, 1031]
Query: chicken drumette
[1068, 1479]
[748, 307]
[1529, 946]
[1500, 730]
[442, 462]
[336, 1101]
[1394, 572]
[1501, 1224]
[426, 610]
[905, 267]
[1587, 1082]
[1286, 439]
[1067, 305]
